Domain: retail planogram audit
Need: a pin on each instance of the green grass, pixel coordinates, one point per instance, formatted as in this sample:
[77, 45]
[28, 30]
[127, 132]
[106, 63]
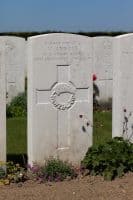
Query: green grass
[16, 136]
[102, 130]
[16, 132]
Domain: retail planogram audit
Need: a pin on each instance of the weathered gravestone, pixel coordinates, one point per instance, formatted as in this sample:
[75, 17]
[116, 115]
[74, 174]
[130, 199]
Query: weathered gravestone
[59, 97]
[15, 62]
[122, 87]
[103, 67]
[2, 104]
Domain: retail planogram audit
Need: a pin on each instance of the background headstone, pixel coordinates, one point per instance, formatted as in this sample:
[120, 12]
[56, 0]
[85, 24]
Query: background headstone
[2, 104]
[122, 87]
[103, 67]
[59, 97]
[15, 53]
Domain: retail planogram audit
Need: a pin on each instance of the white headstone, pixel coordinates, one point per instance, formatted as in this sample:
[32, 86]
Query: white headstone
[2, 104]
[103, 66]
[59, 97]
[122, 87]
[15, 50]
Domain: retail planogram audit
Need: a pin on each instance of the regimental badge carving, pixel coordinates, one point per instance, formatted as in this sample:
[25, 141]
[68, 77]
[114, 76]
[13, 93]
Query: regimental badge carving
[63, 96]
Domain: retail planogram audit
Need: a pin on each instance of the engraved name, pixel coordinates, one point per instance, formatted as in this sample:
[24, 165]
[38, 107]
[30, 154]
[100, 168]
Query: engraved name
[68, 51]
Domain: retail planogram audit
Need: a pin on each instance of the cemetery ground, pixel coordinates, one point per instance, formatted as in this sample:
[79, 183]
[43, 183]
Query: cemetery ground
[81, 188]
[87, 188]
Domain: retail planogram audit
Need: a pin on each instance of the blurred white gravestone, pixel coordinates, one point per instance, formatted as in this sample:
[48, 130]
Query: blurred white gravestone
[2, 104]
[122, 87]
[103, 66]
[15, 62]
[59, 97]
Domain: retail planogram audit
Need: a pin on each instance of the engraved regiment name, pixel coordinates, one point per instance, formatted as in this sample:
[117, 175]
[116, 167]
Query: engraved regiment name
[63, 51]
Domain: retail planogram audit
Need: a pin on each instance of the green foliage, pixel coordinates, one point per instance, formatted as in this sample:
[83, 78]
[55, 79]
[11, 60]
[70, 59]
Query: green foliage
[57, 169]
[11, 173]
[111, 159]
[53, 170]
[2, 172]
[18, 106]
[15, 173]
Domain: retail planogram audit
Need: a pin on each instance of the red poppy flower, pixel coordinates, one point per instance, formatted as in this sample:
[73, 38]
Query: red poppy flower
[94, 77]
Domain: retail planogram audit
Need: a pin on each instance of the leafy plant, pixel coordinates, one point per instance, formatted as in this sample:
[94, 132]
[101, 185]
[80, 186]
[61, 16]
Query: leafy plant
[18, 106]
[111, 159]
[2, 173]
[11, 173]
[53, 170]
[15, 173]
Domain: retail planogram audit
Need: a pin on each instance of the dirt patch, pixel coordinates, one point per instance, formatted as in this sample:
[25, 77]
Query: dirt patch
[87, 188]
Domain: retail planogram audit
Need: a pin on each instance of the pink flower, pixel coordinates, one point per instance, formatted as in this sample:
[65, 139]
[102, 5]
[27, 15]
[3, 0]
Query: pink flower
[94, 77]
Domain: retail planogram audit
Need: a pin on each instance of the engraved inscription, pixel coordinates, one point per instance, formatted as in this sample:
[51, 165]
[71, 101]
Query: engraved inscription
[63, 51]
[107, 60]
[63, 96]
[9, 46]
[12, 63]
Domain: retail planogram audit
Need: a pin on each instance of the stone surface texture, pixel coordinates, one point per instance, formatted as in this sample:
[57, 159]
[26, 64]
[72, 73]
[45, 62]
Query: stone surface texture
[59, 97]
[15, 62]
[122, 87]
[2, 103]
[103, 66]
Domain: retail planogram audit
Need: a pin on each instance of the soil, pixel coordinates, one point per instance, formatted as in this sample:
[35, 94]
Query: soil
[87, 188]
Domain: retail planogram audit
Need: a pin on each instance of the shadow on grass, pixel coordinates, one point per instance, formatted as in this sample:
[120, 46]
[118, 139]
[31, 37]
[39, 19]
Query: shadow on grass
[18, 158]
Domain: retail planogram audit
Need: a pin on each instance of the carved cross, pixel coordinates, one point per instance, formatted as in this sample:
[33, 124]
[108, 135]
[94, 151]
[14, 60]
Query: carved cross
[62, 96]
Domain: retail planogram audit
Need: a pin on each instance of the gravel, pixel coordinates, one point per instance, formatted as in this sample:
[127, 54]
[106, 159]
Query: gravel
[87, 188]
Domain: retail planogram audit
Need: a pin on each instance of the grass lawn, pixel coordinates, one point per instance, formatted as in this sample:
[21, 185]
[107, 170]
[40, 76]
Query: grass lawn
[16, 136]
[102, 130]
[16, 132]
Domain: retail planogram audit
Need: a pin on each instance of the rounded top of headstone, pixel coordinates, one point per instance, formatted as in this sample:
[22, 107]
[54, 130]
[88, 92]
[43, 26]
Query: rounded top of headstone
[124, 35]
[11, 37]
[51, 35]
[102, 37]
